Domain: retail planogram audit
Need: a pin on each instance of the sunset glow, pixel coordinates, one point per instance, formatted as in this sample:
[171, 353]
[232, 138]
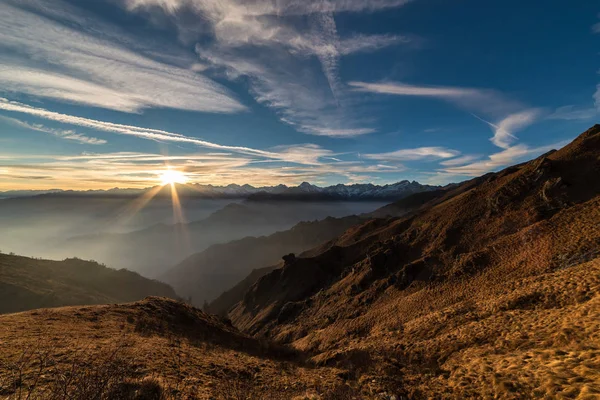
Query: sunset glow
[172, 176]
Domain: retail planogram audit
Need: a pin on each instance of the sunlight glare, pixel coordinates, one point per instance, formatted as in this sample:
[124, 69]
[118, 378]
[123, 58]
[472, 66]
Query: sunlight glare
[172, 176]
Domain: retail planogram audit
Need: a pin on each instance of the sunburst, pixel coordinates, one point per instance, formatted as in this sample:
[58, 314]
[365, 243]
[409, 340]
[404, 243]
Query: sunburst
[172, 176]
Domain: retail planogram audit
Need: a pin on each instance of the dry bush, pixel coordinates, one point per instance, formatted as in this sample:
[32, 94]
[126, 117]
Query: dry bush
[41, 373]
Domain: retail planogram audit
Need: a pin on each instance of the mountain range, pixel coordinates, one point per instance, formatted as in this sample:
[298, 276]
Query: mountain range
[304, 190]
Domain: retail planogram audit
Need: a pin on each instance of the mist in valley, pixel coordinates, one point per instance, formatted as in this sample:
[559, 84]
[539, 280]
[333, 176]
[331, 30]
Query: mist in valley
[148, 237]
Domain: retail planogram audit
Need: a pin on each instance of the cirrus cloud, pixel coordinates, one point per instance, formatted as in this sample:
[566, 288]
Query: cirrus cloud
[53, 51]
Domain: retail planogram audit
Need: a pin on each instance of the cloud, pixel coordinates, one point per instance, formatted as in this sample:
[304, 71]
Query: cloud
[503, 134]
[52, 51]
[264, 8]
[268, 46]
[512, 115]
[337, 132]
[571, 113]
[134, 169]
[309, 154]
[486, 101]
[290, 163]
[61, 133]
[504, 158]
[419, 153]
[402, 89]
[144, 133]
[459, 161]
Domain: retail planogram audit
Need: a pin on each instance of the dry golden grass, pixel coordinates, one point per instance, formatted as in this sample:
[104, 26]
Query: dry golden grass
[526, 326]
[191, 356]
[492, 291]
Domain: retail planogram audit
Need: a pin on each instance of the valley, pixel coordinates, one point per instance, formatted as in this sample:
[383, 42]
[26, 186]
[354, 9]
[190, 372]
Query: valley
[487, 289]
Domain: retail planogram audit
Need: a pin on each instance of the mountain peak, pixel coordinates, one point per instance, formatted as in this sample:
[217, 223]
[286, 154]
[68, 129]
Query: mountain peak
[306, 185]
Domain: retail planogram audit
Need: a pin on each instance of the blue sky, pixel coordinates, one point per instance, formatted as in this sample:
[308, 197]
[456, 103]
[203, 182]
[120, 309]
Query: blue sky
[105, 93]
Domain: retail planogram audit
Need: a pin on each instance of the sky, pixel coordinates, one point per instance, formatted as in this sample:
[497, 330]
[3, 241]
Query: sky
[98, 94]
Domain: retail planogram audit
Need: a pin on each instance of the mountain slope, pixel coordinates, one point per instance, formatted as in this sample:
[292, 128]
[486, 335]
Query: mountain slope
[207, 274]
[153, 349]
[232, 296]
[503, 263]
[27, 283]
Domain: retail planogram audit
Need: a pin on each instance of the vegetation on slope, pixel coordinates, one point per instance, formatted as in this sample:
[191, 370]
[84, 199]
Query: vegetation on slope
[29, 283]
[498, 276]
[156, 349]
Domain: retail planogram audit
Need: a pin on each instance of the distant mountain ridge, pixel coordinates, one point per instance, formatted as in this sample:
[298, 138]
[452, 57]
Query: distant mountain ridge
[207, 274]
[305, 190]
[30, 283]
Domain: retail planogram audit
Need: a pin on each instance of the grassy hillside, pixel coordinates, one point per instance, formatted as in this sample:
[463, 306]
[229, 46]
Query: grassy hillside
[156, 349]
[28, 283]
[492, 290]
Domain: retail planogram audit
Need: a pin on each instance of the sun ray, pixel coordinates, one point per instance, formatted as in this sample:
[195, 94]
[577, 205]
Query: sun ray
[136, 205]
[184, 243]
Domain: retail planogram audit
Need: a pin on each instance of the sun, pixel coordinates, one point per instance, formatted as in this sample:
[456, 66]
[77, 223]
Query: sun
[172, 176]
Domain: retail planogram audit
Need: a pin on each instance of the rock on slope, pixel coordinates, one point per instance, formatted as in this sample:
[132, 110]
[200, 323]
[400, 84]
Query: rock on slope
[28, 283]
[491, 290]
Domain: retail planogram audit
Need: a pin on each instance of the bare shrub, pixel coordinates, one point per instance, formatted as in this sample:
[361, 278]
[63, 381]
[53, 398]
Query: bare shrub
[39, 373]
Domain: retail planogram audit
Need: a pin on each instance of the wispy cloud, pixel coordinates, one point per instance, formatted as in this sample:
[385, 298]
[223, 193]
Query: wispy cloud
[459, 161]
[288, 7]
[144, 133]
[309, 158]
[571, 112]
[511, 117]
[486, 101]
[273, 50]
[61, 133]
[419, 153]
[503, 137]
[52, 51]
[596, 26]
[504, 158]
[505, 129]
